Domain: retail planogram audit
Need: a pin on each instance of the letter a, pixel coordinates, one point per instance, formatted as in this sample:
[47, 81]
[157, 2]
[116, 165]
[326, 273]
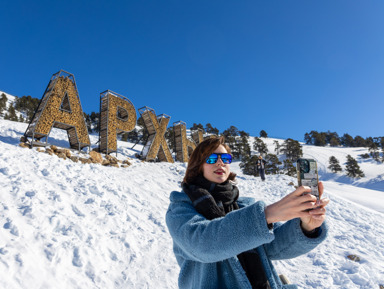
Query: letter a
[60, 108]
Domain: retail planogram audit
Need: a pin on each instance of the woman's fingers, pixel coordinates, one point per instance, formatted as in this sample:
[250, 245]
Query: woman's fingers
[307, 198]
[301, 190]
[314, 206]
[323, 202]
[318, 211]
[321, 189]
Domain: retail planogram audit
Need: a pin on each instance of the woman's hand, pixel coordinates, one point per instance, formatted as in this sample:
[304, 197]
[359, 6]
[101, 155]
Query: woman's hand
[315, 217]
[295, 205]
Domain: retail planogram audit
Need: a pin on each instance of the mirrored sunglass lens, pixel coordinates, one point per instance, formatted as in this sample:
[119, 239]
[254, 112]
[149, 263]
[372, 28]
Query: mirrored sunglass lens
[226, 158]
[212, 159]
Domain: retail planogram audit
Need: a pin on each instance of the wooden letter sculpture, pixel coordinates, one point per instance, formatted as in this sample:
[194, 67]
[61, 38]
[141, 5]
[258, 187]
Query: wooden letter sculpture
[156, 146]
[60, 108]
[184, 146]
[197, 135]
[117, 115]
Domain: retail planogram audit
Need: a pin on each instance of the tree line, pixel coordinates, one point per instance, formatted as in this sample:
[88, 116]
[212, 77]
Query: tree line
[25, 105]
[374, 144]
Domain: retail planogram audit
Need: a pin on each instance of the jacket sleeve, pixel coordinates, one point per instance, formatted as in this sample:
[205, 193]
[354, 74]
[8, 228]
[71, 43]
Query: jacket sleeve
[290, 241]
[208, 241]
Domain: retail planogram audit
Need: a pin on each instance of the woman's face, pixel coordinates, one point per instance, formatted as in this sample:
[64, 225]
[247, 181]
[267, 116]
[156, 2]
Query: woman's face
[217, 172]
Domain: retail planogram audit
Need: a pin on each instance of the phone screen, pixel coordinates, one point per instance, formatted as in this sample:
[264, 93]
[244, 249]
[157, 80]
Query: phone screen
[307, 175]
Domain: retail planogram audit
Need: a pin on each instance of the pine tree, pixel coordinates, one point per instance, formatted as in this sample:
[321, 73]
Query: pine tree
[95, 117]
[88, 122]
[347, 141]
[289, 169]
[316, 138]
[260, 146]
[170, 139]
[321, 139]
[142, 130]
[197, 126]
[230, 136]
[334, 142]
[210, 129]
[27, 105]
[329, 136]
[382, 151]
[359, 141]
[263, 133]
[382, 148]
[352, 168]
[3, 102]
[132, 136]
[248, 165]
[242, 147]
[374, 151]
[292, 149]
[277, 147]
[272, 165]
[334, 165]
[365, 156]
[231, 131]
[12, 113]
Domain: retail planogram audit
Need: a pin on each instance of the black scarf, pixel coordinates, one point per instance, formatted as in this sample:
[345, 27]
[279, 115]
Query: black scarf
[210, 199]
[216, 200]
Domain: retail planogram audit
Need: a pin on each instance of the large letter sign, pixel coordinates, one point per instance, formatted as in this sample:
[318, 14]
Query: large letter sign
[184, 146]
[156, 146]
[197, 135]
[60, 108]
[117, 114]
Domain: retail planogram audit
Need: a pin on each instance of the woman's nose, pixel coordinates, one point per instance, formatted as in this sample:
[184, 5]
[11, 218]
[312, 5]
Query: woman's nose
[219, 161]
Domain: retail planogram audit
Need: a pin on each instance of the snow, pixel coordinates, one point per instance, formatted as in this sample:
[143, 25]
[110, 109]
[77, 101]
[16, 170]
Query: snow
[70, 225]
[11, 98]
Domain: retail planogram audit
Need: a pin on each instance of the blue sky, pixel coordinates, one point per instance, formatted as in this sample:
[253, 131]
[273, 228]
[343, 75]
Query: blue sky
[287, 67]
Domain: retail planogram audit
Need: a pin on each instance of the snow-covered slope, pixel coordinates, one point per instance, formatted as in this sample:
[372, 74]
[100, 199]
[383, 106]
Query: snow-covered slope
[69, 225]
[11, 98]
[10, 101]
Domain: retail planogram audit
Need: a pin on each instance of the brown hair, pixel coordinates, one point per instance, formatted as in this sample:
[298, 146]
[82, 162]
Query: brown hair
[200, 154]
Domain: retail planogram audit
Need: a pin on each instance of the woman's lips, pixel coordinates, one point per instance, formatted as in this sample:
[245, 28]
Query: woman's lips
[219, 172]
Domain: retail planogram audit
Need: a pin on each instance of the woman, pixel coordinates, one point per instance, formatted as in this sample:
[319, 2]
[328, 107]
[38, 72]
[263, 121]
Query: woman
[223, 241]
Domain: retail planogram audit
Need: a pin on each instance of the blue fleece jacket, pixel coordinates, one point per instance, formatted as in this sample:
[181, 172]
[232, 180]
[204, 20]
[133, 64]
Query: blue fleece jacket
[206, 250]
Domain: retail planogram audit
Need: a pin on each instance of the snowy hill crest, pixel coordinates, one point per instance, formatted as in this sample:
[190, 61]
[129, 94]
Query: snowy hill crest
[69, 225]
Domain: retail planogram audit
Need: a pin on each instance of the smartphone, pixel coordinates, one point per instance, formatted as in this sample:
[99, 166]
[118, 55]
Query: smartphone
[307, 175]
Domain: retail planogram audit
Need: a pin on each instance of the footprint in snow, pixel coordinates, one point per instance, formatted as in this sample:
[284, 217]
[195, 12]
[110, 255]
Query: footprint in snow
[76, 261]
[49, 253]
[45, 172]
[25, 210]
[5, 171]
[30, 194]
[19, 260]
[13, 229]
[3, 251]
[95, 191]
[77, 211]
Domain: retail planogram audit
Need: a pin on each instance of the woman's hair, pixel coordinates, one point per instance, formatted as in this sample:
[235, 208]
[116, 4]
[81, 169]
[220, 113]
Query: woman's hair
[200, 154]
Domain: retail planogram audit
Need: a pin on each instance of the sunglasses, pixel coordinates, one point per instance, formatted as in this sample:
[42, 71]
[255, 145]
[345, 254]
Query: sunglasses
[225, 158]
